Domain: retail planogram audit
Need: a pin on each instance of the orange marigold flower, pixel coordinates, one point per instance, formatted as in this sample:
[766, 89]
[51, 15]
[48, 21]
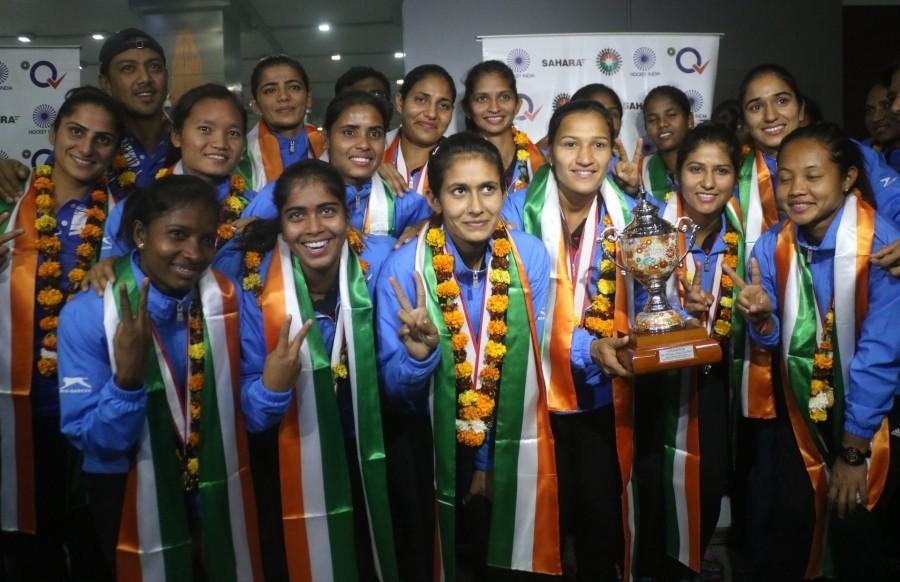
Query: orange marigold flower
[49, 269]
[447, 290]
[45, 224]
[470, 438]
[46, 366]
[48, 245]
[600, 304]
[48, 323]
[731, 238]
[196, 324]
[498, 304]
[521, 138]
[195, 411]
[85, 250]
[502, 247]
[464, 370]
[96, 214]
[355, 240]
[731, 261]
[195, 382]
[119, 162]
[459, 341]
[49, 341]
[194, 439]
[496, 328]
[364, 265]
[162, 173]
[822, 362]
[98, 196]
[727, 283]
[91, 232]
[127, 179]
[43, 184]
[225, 231]
[490, 373]
[76, 275]
[252, 260]
[238, 183]
[454, 320]
[49, 297]
[593, 324]
[442, 263]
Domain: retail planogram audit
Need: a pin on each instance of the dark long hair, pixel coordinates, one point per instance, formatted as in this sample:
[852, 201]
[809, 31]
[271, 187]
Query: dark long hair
[464, 143]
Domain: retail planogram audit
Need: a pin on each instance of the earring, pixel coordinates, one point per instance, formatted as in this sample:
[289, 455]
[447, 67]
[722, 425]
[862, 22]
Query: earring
[140, 246]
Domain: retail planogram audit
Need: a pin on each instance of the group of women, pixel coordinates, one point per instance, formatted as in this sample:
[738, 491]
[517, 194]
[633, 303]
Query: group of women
[410, 361]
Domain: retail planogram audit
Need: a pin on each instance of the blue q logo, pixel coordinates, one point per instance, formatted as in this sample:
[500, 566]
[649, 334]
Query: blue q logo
[44, 74]
[43, 116]
[644, 58]
[695, 98]
[688, 60]
[4, 73]
[518, 60]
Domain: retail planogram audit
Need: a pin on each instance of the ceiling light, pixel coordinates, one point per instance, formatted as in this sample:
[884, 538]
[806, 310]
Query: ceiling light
[324, 27]
[98, 36]
[399, 81]
[25, 38]
[335, 57]
[399, 55]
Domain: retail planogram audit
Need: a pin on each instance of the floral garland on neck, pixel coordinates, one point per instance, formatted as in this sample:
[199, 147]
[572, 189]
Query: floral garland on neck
[125, 177]
[232, 207]
[601, 314]
[50, 295]
[475, 405]
[188, 456]
[520, 138]
[821, 390]
[722, 327]
[340, 370]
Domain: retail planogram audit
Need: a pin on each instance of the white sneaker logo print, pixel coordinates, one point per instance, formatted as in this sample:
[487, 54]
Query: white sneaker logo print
[76, 385]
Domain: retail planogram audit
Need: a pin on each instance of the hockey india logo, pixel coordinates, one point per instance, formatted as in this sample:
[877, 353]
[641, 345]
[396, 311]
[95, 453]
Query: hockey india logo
[644, 58]
[4, 73]
[43, 116]
[695, 98]
[518, 60]
[609, 61]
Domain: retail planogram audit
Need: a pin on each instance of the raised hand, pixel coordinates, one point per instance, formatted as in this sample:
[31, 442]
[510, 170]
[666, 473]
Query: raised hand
[888, 258]
[628, 171]
[753, 302]
[132, 339]
[395, 180]
[283, 363]
[13, 174]
[99, 275]
[417, 332]
[604, 352]
[5, 238]
[241, 223]
[696, 300]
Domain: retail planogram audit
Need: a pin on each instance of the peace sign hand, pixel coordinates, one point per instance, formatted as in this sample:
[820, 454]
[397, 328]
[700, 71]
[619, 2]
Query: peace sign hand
[753, 302]
[132, 339]
[417, 332]
[628, 172]
[283, 363]
[5, 238]
[696, 300]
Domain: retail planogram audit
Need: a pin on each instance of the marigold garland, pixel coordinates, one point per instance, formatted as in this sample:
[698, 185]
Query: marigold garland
[49, 294]
[476, 397]
[125, 176]
[232, 207]
[821, 389]
[188, 455]
[599, 317]
[721, 330]
[520, 138]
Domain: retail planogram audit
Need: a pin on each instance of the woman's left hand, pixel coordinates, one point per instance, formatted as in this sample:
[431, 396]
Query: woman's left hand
[394, 179]
[627, 172]
[888, 258]
[848, 486]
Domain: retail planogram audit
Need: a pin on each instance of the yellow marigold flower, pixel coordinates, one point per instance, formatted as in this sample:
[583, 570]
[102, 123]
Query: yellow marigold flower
[49, 341]
[600, 303]
[470, 438]
[251, 281]
[193, 465]
[76, 275]
[459, 341]
[490, 373]
[607, 266]
[467, 398]
[668, 195]
[196, 382]
[238, 183]
[119, 162]
[447, 290]
[96, 214]
[609, 247]
[818, 415]
[605, 328]
[817, 386]
[49, 297]
[829, 318]
[45, 223]
[520, 138]
[435, 237]
[726, 302]
[91, 232]
[44, 171]
[162, 173]
[500, 276]
[502, 247]
[46, 366]
[442, 263]
[498, 304]
[454, 320]
[593, 324]
[44, 202]
[49, 269]
[235, 204]
[723, 328]
[464, 370]
[606, 286]
[196, 351]
[340, 371]
[496, 328]
[731, 238]
[48, 323]
[98, 196]
[731, 261]
[522, 155]
[195, 411]
[495, 350]
[127, 179]
[225, 231]
[822, 361]
[252, 260]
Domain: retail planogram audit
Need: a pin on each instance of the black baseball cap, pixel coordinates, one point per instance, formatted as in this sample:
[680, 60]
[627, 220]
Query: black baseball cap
[127, 39]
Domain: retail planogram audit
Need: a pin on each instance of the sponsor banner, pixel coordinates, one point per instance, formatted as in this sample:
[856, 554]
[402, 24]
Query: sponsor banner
[33, 85]
[550, 68]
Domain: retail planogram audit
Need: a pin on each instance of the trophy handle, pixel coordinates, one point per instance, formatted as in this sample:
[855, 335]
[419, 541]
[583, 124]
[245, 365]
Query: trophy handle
[689, 229]
[612, 235]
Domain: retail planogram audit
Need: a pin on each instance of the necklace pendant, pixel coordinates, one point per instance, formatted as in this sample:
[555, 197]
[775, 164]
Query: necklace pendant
[357, 200]
[292, 146]
[809, 254]
[179, 313]
[475, 278]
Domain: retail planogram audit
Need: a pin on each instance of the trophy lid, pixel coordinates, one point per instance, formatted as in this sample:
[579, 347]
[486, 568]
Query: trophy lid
[646, 220]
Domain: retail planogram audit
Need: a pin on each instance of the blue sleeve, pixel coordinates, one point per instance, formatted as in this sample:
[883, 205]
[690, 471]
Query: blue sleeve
[484, 456]
[885, 183]
[875, 369]
[113, 245]
[377, 250]
[580, 356]
[537, 268]
[263, 204]
[405, 379]
[513, 212]
[229, 259]
[764, 253]
[102, 420]
[263, 408]
[410, 210]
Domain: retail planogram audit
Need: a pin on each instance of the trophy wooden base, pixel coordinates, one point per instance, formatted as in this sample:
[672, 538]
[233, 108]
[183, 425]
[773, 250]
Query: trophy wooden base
[681, 348]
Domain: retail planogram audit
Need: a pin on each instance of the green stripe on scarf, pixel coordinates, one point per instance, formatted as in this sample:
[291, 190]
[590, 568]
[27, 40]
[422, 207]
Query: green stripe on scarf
[389, 195]
[335, 473]
[659, 179]
[670, 400]
[534, 200]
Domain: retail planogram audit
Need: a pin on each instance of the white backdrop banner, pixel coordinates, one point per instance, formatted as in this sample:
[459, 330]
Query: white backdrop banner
[550, 68]
[33, 86]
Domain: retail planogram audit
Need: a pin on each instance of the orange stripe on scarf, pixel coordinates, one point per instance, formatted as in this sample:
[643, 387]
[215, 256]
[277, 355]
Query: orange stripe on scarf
[270, 152]
[289, 460]
[128, 551]
[766, 193]
[561, 392]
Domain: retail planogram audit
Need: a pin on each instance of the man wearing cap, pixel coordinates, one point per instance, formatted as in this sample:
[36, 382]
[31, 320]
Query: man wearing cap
[132, 71]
